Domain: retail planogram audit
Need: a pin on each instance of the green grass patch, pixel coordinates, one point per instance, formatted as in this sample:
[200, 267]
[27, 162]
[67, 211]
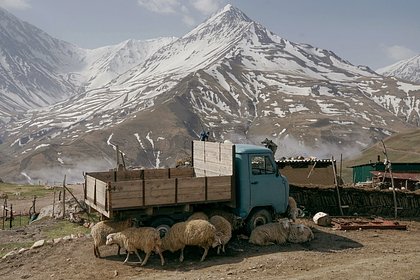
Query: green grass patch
[64, 228]
[17, 221]
[7, 247]
[25, 191]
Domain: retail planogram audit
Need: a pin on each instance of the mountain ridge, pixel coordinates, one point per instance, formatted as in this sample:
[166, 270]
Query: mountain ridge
[230, 76]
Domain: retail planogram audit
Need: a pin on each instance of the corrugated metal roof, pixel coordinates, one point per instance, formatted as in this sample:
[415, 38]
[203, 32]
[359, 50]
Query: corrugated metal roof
[398, 175]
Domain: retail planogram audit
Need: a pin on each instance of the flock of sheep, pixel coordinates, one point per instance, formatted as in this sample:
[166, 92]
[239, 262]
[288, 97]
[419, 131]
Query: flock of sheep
[197, 230]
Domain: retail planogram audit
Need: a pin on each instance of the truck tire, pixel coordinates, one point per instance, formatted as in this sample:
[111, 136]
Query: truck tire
[258, 218]
[162, 224]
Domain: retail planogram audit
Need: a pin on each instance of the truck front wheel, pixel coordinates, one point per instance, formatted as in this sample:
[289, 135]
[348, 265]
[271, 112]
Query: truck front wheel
[162, 224]
[258, 218]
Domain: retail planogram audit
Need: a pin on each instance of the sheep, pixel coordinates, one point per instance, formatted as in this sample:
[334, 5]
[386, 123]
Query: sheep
[223, 232]
[101, 230]
[292, 210]
[198, 216]
[271, 233]
[146, 239]
[300, 233]
[196, 233]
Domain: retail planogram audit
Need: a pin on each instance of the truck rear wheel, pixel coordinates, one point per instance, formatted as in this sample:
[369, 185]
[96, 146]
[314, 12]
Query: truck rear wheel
[258, 218]
[162, 224]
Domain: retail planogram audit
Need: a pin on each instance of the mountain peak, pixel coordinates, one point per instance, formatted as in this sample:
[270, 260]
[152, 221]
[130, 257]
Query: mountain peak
[408, 69]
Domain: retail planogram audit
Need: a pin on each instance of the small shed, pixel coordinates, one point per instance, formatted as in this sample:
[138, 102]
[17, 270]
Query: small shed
[317, 172]
[366, 172]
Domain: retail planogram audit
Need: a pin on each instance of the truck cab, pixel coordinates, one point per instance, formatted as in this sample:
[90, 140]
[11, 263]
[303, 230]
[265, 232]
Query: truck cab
[261, 191]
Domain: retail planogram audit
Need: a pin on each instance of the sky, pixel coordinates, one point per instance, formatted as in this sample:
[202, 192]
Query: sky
[375, 33]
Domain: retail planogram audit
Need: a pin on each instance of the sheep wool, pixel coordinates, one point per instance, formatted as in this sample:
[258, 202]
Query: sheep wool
[300, 233]
[292, 210]
[146, 239]
[102, 229]
[271, 233]
[195, 233]
[223, 232]
[198, 216]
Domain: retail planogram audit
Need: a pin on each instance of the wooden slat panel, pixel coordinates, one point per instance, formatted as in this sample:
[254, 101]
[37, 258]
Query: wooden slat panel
[159, 191]
[103, 176]
[191, 190]
[212, 158]
[156, 174]
[128, 175]
[132, 202]
[219, 188]
[182, 172]
[100, 192]
[90, 187]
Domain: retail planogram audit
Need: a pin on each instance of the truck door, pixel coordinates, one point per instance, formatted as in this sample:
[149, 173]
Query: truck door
[263, 187]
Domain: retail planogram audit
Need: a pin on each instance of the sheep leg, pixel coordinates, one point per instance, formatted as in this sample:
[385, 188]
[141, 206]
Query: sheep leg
[137, 253]
[119, 248]
[128, 255]
[206, 250]
[146, 258]
[181, 257]
[223, 248]
[218, 249]
[162, 260]
[96, 251]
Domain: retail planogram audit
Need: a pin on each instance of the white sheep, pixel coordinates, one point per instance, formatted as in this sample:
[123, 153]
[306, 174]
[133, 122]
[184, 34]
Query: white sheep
[146, 239]
[300, 233]
[196, 233]
[223, 232]
[292, 210]
[271, 233]
[101, 230]
[198, 216]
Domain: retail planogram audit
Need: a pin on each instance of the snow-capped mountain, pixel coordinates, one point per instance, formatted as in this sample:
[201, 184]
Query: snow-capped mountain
[37, 70]
[230, 76]
[33, 66]
[408, 70]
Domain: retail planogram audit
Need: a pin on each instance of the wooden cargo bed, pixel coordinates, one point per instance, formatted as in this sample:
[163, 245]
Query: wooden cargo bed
[111, 191]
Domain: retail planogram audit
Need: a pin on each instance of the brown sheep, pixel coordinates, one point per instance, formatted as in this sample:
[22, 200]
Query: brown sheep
[146, 239]
[271, 233]
[196, 233]
[223, 232]
[101, 230]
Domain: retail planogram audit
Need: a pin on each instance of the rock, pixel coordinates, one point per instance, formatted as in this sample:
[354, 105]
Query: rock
[38, 244]
[57, 240]
[322, 219]
[23, 250]
[11, 253]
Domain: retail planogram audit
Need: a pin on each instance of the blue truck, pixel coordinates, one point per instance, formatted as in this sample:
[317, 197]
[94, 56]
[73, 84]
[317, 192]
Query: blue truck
[238, 181]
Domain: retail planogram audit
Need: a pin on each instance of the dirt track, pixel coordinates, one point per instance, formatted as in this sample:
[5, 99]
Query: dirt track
[367, 254]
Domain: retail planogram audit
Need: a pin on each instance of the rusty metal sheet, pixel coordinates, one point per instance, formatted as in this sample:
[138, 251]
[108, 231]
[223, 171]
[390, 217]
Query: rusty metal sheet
[357, 224]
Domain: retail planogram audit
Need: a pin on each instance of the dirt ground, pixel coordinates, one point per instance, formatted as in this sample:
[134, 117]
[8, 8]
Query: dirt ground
[333, 254]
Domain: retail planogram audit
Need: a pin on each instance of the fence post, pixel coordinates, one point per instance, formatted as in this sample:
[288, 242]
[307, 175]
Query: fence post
[11, 215]
[64, 197]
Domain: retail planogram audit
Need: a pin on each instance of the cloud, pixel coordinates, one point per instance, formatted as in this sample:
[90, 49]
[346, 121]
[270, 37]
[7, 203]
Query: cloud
[15, 4]
[397, 52]
[186, 10]
[161, 6]
[207, 7]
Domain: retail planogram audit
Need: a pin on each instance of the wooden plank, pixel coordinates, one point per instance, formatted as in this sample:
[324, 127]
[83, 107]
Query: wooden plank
[124, 186]
[105, 176]
[128, 175]
[159, 191]
[99, 209]
[156, 174]
[219, 188]
[90, 187]
[191, 190]
[181, 172]
[101, 193]
[131, 202]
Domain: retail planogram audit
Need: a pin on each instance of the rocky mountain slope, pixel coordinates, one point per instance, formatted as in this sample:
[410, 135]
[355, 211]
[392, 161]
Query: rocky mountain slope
[230, 76]
[408, 70]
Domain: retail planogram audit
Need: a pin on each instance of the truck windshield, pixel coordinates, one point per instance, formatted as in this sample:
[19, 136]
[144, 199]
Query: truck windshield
[261, 165]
